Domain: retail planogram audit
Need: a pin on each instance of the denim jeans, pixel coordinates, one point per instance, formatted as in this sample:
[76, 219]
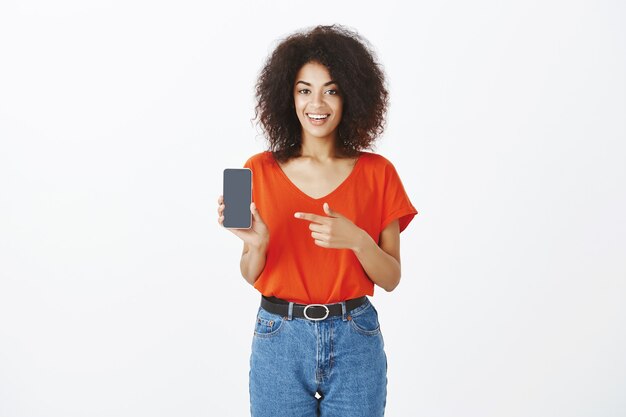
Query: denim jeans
[336, 367]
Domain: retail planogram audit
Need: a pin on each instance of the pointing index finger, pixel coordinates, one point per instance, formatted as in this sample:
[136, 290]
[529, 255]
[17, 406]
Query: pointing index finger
[309, 216]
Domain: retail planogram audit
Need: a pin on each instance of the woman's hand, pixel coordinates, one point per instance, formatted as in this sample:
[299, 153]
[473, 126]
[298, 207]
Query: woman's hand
[335, 231]
[257, 236]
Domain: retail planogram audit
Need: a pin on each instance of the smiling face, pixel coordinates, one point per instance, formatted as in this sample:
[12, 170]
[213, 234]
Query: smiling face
[317, 101]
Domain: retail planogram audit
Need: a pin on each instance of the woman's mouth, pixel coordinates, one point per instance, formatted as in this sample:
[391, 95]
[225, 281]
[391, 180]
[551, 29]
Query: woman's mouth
[317, 119]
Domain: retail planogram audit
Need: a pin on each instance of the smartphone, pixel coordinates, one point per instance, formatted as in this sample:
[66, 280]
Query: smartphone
[237, 198]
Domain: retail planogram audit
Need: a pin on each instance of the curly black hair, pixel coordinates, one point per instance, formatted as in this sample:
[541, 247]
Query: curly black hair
[350, 62]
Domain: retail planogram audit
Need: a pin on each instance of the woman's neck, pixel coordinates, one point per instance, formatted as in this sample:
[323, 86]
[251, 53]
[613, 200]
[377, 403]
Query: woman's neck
[322, 150]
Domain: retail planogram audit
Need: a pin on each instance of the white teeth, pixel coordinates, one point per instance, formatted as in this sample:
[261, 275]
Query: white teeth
[317, 116]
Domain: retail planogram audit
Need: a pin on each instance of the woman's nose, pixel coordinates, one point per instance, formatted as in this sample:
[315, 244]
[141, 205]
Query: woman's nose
[317, 98]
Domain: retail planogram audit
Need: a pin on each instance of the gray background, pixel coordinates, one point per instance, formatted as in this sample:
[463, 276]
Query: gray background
[120, 295]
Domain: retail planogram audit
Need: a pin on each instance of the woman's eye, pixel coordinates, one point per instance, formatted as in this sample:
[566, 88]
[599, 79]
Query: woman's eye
[307, 91]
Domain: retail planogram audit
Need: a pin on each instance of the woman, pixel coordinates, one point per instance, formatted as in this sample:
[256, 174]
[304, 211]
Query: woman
[327, 216]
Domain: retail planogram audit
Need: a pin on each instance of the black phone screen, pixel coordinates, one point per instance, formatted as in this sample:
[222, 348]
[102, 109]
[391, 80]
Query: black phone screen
[237, 198]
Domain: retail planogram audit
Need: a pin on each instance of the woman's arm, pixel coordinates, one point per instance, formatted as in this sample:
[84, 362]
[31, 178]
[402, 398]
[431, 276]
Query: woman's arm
[254, 253]
[252, 261]
[381, 263]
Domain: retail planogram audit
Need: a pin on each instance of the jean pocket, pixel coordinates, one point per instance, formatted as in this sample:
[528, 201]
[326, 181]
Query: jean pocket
[267, 324]
[365, 322]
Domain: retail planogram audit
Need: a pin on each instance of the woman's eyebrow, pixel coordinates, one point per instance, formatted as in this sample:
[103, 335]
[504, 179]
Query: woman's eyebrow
[305, 83]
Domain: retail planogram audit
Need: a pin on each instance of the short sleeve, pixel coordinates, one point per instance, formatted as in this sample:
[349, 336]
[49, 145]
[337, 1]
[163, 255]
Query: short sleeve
[396, 203]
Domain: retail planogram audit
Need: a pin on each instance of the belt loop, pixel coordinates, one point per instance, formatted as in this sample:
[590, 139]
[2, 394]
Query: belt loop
[290, 314]
[343, 311]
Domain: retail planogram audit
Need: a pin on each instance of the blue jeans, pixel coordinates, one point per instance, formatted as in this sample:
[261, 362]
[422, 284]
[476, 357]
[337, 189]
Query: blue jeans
[341, 359]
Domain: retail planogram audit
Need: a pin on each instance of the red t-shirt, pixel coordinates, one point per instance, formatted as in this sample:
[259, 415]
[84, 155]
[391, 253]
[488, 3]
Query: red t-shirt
[298, 270]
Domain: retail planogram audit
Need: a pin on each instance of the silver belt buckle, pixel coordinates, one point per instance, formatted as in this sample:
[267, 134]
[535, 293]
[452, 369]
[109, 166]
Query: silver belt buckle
[316, 305]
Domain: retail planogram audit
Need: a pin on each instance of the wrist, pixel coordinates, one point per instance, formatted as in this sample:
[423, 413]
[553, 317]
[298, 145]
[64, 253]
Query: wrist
[260, 246]
[363, 241]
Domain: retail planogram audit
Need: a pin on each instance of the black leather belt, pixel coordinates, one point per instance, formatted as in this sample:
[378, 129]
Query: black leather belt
[309, 311]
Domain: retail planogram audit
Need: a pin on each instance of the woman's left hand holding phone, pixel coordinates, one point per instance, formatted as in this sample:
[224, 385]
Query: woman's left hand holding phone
[257, 236]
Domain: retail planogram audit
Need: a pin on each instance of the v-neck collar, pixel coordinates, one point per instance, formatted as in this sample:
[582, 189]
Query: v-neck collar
[337, 189]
